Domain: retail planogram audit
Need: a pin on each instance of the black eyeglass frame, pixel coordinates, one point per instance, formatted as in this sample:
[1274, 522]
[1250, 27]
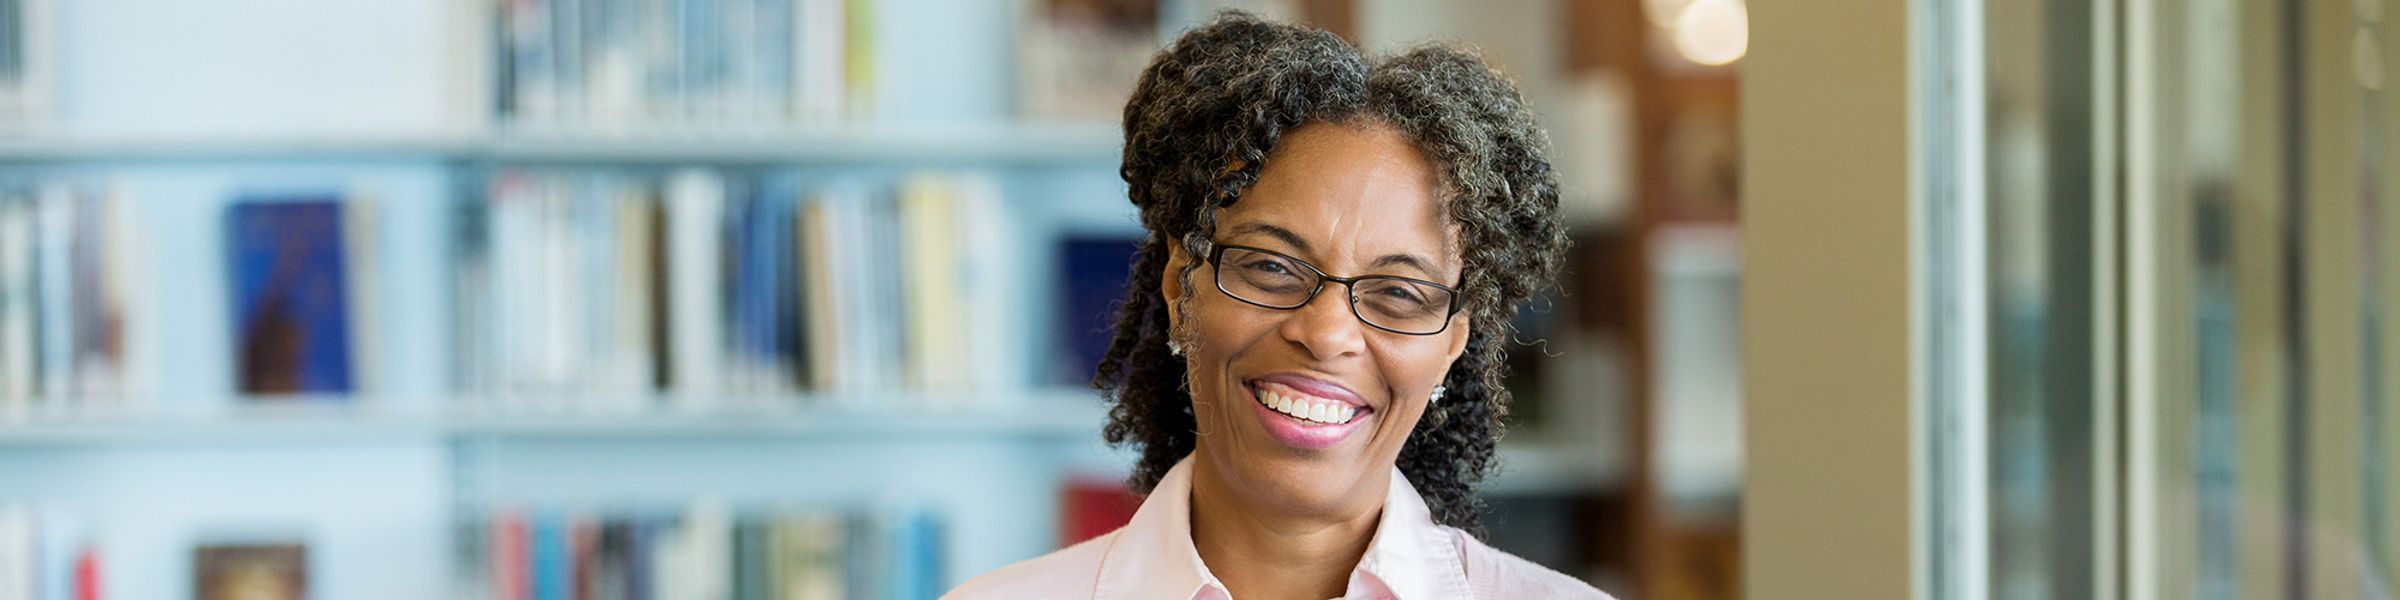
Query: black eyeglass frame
[1216, 253]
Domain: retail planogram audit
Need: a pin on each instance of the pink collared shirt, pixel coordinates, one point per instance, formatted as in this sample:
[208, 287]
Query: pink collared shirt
[1410, 558]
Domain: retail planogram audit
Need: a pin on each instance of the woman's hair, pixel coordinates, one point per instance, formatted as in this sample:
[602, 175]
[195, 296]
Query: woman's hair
[1198, 129]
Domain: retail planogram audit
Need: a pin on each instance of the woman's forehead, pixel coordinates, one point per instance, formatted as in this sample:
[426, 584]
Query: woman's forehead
[1365, 187]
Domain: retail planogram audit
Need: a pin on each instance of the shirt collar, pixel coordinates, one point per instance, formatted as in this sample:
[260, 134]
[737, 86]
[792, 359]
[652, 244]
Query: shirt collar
[1410, 556]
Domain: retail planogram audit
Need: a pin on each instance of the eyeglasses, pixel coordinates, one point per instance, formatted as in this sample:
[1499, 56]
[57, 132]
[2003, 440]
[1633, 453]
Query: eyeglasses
[1390, 303]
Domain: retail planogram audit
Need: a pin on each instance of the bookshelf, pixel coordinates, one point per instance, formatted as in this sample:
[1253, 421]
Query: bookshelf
[1016, 144]
[1060, 414]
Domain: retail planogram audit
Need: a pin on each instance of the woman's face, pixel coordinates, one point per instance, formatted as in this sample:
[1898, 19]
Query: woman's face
[1351, 200]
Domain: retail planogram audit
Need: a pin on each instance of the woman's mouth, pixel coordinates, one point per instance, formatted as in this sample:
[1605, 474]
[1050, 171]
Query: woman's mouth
[1302, 406]
[1305, 420]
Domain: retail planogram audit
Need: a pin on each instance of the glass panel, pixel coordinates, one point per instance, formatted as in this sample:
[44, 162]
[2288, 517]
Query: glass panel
[2040, 227]
[2258, 324]
[2191, 301]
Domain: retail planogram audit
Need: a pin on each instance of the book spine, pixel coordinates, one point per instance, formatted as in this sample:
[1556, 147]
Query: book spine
[662, 62]
[551, 562]
[696, 225]
[37, 85]
[12, 63]
[54, 289]
[18, 319]
[472, 561]
[777, 37]
[859, 77]
[66, 565]
[985, 299]
[633, 216]
[821, 330]
[362, 253]
[567, 58]
[531, 71]
[510, 557]
[19, 563]
[512, 231]
[124, 274]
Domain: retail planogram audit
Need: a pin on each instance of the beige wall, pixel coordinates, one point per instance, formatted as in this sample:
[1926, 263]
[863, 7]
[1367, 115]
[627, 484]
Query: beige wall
[1827, 508]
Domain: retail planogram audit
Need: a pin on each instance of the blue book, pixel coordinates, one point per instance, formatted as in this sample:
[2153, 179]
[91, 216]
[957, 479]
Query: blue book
[916, 557]
[291, 302]
[643, 535]
[552, 570]
[760, 243]
[1093, 273]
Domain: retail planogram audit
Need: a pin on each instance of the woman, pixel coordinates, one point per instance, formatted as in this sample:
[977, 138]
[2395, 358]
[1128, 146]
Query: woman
[1309, 358]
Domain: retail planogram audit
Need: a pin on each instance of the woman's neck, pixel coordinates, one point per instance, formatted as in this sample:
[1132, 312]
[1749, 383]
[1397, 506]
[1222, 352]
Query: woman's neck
[1268, 552]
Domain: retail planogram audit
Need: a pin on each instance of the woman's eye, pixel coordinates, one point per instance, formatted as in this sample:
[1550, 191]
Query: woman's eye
[1400, 297]
[1272, 267]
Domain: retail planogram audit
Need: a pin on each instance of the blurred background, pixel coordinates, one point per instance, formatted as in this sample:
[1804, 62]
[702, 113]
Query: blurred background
[797, 298]
[748, 299]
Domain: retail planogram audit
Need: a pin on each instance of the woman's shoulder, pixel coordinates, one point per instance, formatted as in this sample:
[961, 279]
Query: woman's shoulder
[1071, 572]
[1492, 573]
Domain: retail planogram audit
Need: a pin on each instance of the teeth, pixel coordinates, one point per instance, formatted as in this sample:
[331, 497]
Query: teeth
[1300, 406]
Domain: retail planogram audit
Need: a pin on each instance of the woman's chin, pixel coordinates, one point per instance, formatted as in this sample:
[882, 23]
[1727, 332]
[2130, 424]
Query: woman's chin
[1313, 484]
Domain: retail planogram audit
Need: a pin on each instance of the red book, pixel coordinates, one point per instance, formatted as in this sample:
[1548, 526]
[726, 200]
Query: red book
[584, 546]
[87, 575]
[509, 560]
[1092, 507]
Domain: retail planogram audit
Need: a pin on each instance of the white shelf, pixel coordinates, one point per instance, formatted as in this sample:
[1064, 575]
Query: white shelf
[1540, 468]
[1030, 143]
[1063, 414]
[1697, 251]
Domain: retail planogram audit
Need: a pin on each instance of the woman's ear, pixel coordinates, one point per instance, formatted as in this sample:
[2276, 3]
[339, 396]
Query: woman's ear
[1170, 283]
[1459, 332]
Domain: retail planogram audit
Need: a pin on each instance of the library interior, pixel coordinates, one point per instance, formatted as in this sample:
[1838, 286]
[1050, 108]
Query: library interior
[806, 299]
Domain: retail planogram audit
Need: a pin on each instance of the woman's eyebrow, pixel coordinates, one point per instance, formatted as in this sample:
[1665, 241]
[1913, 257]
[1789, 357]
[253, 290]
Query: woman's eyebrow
[1276, 232]
[1398, 258]
[1407, 260]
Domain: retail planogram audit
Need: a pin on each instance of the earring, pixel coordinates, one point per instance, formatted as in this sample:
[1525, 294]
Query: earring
[1437, 394]
[1177, 347]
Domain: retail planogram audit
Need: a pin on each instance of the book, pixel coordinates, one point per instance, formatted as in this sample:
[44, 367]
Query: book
[511, 557]
[54, 290]
[19, 553]
[67, 562]
[270, 571]
[915, 568]
[710, 549]
[45, 555]
[68, 267]
[559, 292]
[702, 290]
[292, 319]
[28, 64]
[1090, 507]
[1078, 60]
[724, 67]
[552, 559]
[1094, 271]
[19, 320]
[696, 285]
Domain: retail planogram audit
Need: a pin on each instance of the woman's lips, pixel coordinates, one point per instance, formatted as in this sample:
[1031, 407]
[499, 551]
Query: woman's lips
[1312, 386]
[1303, 420]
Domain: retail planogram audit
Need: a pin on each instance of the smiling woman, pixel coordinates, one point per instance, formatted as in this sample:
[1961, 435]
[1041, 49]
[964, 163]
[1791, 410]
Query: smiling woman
[1309, 355]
